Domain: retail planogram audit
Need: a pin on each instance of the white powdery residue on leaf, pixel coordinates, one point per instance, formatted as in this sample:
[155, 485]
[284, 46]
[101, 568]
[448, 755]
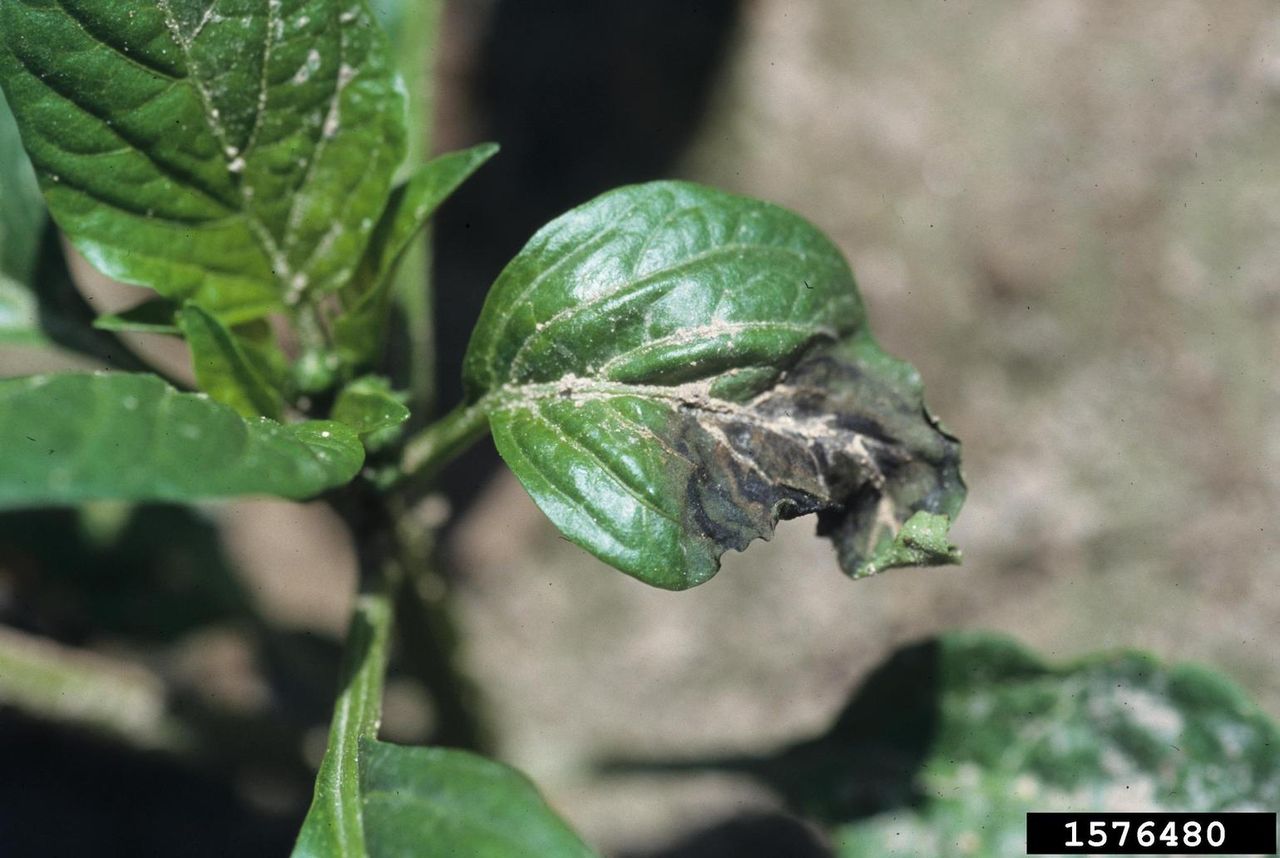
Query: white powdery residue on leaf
[1155, 715]
[297, 285]
[308, 68]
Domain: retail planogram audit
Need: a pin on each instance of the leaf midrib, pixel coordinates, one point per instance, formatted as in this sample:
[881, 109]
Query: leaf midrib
[266, 241]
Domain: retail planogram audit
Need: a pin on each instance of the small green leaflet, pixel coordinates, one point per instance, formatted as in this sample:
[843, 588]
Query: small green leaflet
[75, 437]
[358, 332]
[235, 154]
[369, 405]
[222, 367]
[670, 369]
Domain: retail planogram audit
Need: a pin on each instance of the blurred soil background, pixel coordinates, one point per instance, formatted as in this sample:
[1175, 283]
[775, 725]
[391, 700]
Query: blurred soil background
[1065, 214]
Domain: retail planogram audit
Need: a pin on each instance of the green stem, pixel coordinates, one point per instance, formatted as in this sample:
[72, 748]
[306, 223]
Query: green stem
[430, 450]
[429, 636]
[415, 54]
[333, 824]
[112, 697]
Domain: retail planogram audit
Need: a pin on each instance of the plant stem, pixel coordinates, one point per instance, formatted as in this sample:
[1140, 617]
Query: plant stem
[415, 50]
[429, 638]
[107, 695]
[334, 816]
[430, 450]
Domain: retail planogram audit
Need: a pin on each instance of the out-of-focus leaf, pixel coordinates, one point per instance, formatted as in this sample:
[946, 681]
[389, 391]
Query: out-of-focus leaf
[39, 304]
[1109, 733]
[161, 575]
[153, 316]
[223, 369]
[358, 333]
[948, 745]
[69, 438]
[235, 155]
[368, 405]
[22, 219]
[670, 369]
[438, 803]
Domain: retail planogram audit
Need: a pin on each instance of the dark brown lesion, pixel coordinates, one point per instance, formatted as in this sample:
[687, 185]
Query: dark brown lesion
[843, 434]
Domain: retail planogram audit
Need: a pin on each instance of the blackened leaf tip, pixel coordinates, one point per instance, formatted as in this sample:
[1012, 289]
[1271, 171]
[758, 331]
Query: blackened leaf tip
[670, 369]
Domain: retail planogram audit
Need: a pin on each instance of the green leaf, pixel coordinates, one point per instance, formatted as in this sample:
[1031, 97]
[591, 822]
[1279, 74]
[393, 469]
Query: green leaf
[1015, 734]
[376, 800]
[223, 369]
[923, 540]
[368, 405]
[950, 742]
[22, 219]
[438, 803]
[334, 826]
[153, 316]
[358, 332]
[234, 154]
[670, 369]
[76, 437]
[19, 315]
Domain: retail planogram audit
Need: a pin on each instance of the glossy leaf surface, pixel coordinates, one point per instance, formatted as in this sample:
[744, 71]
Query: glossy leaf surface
[68, 438]
[670, 369]
[437, 803]
[237, 154]
[369, 405]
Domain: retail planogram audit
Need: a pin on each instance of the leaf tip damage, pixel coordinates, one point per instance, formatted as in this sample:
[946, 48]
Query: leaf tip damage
[670, 370]
[922, 541]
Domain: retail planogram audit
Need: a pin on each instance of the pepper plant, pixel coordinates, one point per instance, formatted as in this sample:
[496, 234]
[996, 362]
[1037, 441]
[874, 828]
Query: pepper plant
[668, 369]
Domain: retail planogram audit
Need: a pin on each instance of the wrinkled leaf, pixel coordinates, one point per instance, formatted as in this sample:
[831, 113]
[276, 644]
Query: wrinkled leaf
[369, 405]
[438, 803]
[670, 369]
[153, 316]
[358, 332]
[222, 368]
[235, 154]
[22, 218]
[75, 437]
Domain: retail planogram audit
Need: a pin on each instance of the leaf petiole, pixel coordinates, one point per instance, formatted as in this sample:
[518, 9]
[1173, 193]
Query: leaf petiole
[427, 452]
